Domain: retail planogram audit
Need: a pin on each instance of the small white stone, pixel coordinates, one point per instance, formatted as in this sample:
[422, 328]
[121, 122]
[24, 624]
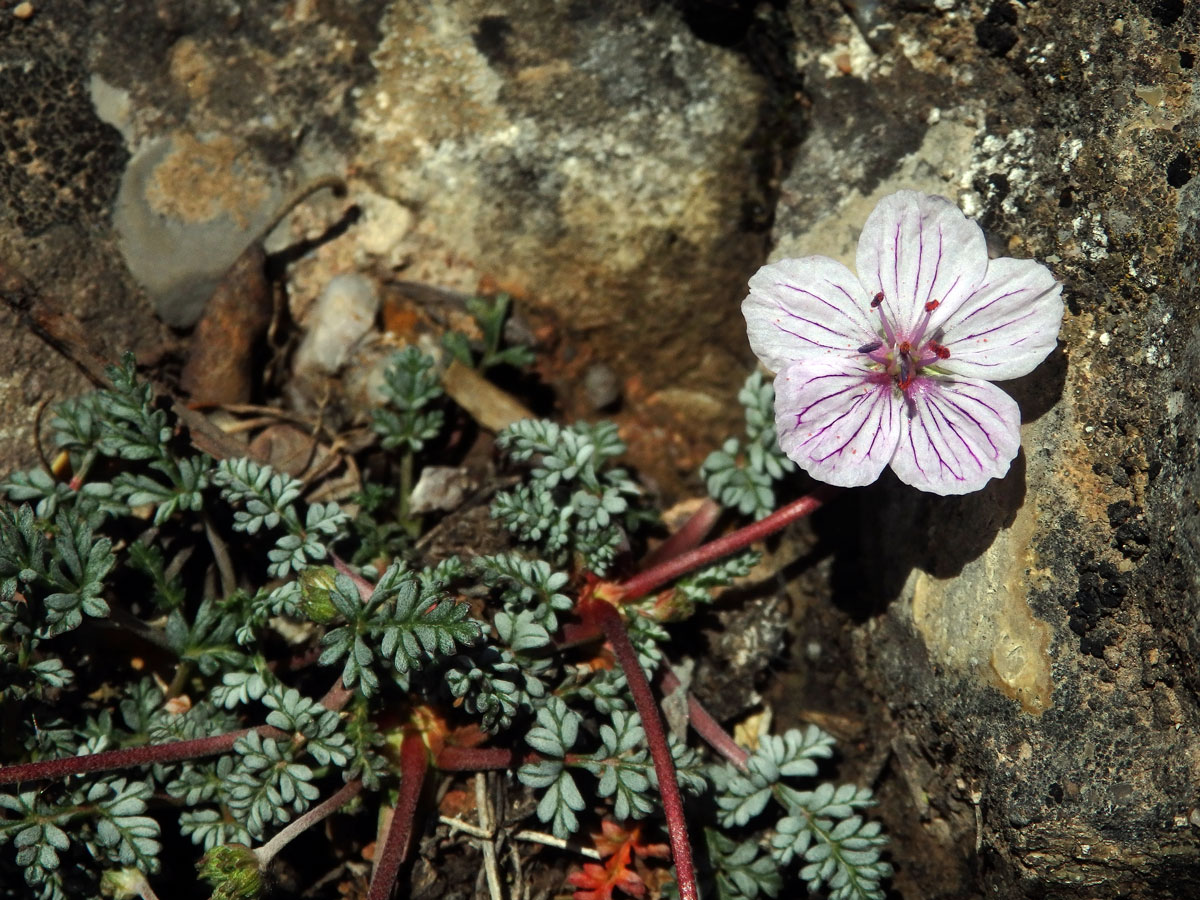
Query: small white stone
[1105, 338]
[384, 224]
[342, 315]
[442, 488]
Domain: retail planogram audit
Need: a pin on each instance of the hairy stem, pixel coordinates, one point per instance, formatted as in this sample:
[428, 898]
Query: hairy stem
[153, 754]
[690, 534]
[414, 760]
[149, 755]
[645, 582]
[609, 618]
[221, 556]
[475, 759]
[706, 726]
[271, 848]
[404, 496]
[337, 696]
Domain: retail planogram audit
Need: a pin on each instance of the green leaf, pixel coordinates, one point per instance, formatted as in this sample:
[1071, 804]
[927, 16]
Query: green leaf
[410, 385]
[560, 797]
[742, 873]
[556, 731]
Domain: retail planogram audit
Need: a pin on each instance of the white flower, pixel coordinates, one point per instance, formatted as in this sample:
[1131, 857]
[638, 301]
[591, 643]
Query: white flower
[893, 366]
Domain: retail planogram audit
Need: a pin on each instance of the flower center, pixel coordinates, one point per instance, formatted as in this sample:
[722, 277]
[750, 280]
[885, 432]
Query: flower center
[903, 356]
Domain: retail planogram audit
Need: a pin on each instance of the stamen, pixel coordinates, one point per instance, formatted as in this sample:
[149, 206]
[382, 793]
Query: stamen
[871, 347]
[905, 348]
[939, 350]
[919, 334]
[888, 334]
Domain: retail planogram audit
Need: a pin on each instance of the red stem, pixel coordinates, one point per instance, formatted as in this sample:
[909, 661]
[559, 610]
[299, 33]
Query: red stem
[153, 754]
[706, 726]
[693, 531]
[643, 583]
[414, 760]
[474, 759]
[607, 616]
[337, 696]
[133, 756]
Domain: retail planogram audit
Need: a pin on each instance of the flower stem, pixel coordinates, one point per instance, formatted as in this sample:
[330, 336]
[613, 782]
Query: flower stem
[337, 696]
[609, 618]
[689, 535]
[474, 759]
[414, 760]
[148, 755]
[645, 582]
[404, 496]
[271, 848]
[706, 726]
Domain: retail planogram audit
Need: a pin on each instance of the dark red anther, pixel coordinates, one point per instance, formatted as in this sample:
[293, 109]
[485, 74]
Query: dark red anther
[905, 347]
[932, 305]
[939, 351]
[878, 299]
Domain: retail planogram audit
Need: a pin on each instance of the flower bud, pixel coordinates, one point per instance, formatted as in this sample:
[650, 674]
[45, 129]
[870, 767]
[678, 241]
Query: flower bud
[233, 871]
[315, 584]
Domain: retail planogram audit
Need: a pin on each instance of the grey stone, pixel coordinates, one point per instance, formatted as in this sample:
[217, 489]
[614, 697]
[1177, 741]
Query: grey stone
[595, 160]
[1037, 640]
[601, 386]
[186, 210]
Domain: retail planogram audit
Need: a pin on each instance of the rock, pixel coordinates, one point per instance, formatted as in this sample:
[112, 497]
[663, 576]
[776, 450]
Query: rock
[601, 386]
[594, 161]
[343, 314]
[1037, 641]
[61, 168]
[187, 209]
[441, 489]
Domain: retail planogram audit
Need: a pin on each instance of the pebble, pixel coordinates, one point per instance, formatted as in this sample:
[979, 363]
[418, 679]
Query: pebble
[343, 314]
[601, 386]
[23, 10]
[441, 488]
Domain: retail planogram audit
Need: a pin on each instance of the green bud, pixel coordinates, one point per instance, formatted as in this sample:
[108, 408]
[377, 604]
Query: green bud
[233, 871]
[315, 584]
[123, 884]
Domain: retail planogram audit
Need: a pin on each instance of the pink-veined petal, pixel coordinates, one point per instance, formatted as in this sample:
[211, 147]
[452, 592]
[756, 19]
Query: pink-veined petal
[837, 419]
[960, 433]
[916, 248]
[1008, 326]
[806, 309]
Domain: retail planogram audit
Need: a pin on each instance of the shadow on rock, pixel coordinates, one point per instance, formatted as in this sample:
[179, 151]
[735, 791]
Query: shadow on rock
[1037, 392]
[893, 529]
[882, 532]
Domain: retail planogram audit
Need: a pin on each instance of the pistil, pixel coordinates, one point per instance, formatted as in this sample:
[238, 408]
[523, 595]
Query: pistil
[903, 359]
